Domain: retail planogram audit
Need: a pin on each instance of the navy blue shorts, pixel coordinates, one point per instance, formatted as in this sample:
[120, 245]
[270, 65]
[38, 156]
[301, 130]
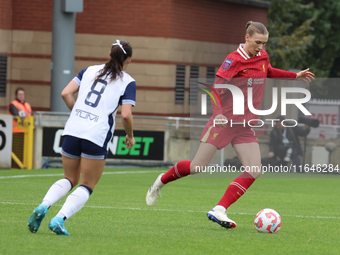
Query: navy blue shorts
[74, 147]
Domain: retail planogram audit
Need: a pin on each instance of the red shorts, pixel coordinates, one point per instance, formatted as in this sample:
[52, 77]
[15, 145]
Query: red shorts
[222, 136]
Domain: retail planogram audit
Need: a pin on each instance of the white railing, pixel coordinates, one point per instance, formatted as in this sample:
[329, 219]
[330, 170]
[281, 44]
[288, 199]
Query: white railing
[324, 101]
[178, 123]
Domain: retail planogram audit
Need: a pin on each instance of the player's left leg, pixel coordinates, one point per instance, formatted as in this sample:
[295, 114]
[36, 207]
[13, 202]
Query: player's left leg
[250, 157]
[91, 171]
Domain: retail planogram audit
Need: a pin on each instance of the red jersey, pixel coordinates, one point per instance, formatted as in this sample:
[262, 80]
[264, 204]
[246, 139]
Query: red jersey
[243, 71]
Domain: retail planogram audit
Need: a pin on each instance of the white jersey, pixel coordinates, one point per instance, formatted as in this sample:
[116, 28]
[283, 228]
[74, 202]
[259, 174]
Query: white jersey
[93, 115]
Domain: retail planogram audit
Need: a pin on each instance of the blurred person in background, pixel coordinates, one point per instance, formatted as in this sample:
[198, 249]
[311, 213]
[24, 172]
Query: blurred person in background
[19, 107]
[284, 142]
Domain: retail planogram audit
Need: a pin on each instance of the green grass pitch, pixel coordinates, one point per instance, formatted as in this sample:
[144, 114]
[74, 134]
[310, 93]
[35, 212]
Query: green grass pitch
[116, 219]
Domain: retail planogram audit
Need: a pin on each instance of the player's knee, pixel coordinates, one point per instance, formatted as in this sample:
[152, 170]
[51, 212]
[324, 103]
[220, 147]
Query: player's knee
[256, 173]
[73, 181]
[87, 184]
[87, 188]
[194, 169]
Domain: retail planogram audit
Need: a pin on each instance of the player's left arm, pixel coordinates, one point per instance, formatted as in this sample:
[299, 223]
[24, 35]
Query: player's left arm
[304, 75]
[278, 73]
[67, 93]
[128, 100]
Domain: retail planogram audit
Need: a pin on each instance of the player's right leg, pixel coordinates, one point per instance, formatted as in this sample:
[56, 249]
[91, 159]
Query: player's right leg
[57, 191]
[181, 169]
[250, 156]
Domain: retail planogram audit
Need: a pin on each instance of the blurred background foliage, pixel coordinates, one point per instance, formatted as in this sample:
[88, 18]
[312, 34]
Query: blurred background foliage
[306, 34]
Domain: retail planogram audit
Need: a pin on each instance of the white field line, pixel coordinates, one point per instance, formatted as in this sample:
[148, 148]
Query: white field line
[172, 210]
[143, 209]
[48, 175]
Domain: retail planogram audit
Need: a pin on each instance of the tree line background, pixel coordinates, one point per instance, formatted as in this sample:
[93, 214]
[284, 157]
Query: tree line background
[306, 34]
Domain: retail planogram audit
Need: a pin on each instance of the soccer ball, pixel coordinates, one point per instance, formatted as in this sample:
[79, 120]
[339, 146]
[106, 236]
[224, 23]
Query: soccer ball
[267, 221]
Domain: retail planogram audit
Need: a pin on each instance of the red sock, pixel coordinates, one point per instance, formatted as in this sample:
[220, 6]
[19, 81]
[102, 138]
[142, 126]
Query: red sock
[179, 170]
[236, 189]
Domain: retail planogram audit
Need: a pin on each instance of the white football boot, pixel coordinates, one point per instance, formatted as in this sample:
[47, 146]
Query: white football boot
[221, 218]
[154, 192]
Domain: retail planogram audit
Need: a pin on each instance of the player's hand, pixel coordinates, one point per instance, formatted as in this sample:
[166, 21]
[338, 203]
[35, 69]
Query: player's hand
[129, 141]
[220, 118]
[305, 75]
[271, 154]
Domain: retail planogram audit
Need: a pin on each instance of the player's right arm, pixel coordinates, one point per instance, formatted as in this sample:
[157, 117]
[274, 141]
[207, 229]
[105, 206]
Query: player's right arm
[71, 88]
[228, 69]
[67, 93]
[225, 73]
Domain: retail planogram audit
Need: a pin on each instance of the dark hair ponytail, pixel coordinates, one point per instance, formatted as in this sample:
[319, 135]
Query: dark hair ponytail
[114, 66]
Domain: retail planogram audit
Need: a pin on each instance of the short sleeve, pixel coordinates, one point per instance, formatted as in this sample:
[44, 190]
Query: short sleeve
[129, 96]
[228, 69]
[79, 76]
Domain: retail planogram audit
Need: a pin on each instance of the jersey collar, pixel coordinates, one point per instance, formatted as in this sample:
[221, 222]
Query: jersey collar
[243, 53]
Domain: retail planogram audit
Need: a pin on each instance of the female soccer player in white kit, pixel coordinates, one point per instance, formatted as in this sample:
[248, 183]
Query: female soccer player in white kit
[101, 89]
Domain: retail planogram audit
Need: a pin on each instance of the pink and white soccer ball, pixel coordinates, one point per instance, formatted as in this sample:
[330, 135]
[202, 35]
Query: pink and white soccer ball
[267, 221]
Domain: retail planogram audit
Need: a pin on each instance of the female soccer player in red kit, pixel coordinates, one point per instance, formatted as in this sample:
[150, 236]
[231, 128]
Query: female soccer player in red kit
[249, 61]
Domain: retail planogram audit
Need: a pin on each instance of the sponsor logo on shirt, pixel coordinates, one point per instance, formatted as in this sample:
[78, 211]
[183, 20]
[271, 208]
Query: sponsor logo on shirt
[258, 81]
[250, 82]
[255, 81]
[86, 115]
[226, 65]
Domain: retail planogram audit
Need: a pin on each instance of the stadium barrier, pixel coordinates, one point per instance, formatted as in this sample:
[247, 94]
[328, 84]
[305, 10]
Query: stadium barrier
[28, 125]
[6, 122]
[178, 135]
